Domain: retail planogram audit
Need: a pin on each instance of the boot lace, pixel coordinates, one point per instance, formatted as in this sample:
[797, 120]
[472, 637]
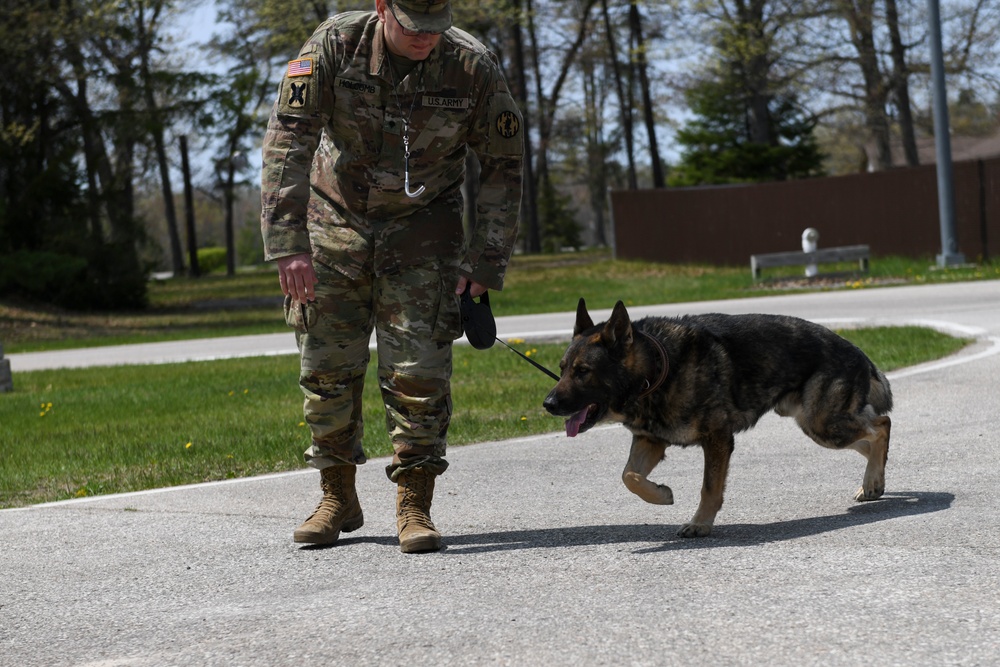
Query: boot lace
[331, 483]
[412, 511]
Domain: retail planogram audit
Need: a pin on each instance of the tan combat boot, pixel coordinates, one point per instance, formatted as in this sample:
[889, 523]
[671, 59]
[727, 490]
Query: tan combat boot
[339, 510]
[413, 512]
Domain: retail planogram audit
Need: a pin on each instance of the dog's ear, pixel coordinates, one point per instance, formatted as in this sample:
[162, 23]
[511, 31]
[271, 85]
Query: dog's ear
[583, 321]
[618, 330]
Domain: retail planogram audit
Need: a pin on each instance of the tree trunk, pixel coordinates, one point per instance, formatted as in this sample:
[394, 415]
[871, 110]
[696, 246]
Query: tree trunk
[529, 198]
[596, 153]
[635, 21]
[547, 104]
[753, 61]
[860, 19]
[623, 106]
[901, 85]
[194, 270]
[156, 130]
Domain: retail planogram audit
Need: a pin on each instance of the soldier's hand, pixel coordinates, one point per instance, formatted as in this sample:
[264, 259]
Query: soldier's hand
[477, 289]
[298, 277]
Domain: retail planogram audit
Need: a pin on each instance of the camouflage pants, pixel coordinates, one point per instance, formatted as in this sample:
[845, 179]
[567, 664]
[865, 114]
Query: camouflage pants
[415, 316]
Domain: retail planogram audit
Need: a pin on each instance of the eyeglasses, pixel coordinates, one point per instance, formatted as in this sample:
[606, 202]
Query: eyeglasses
[415, 33]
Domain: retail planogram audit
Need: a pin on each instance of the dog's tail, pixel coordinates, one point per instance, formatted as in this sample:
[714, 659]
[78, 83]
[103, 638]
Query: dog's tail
[880, 394]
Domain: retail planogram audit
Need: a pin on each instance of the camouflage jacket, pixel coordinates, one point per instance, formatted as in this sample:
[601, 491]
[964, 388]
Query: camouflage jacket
[333, 155]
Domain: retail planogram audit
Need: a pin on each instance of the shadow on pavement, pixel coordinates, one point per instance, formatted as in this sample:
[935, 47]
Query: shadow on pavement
[891, 506]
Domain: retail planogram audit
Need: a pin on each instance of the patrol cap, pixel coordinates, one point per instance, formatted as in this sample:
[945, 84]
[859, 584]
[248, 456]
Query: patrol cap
[422, 15]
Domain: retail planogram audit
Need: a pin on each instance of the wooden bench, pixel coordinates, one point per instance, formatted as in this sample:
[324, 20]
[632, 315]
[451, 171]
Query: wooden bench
[847, 253]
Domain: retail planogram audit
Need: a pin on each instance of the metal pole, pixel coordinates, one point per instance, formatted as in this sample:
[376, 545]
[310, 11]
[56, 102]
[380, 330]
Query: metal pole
[946, 195]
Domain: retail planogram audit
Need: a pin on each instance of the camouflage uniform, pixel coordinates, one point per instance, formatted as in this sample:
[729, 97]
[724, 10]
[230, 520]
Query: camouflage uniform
[333, 186]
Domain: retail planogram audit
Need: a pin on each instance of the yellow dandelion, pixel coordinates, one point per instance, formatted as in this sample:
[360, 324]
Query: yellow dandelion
[188, 446]
[48, 406]
[81, 492]
[232, 393]
[523, 418]
[246, 391]
[302, 423]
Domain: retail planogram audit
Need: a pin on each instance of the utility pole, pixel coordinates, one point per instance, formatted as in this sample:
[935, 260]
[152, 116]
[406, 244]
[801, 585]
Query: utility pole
[950, 255]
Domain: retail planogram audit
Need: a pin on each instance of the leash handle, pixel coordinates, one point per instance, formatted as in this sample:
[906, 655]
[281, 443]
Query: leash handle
[530, 361]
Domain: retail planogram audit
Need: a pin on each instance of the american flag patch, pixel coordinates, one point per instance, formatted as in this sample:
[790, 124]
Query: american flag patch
[300, 67]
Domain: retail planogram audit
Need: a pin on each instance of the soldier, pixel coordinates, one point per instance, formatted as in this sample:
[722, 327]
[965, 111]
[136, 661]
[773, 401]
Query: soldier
[363, 161]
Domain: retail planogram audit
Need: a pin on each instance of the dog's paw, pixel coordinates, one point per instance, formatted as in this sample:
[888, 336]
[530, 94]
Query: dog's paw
[861, 495]
[656, 494]
[695, 530]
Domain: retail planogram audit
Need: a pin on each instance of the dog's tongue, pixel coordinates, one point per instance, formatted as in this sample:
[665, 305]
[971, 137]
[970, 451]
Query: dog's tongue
[574, 423]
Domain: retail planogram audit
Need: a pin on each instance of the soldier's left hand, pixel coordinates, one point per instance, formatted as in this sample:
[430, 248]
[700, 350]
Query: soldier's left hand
[297, 277]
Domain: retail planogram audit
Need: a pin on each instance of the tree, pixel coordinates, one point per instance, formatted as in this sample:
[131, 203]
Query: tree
[578, 25]
[598, 144]
[241, 104]
[720, 146]
[40, 187]
[899, 84]
[860, 18]
[624, 102]
[886, 54]
[749, 122]
[84, 52]
[641, 68]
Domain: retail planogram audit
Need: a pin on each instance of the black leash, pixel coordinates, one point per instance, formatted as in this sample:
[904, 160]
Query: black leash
[481, 328]
[531, 361]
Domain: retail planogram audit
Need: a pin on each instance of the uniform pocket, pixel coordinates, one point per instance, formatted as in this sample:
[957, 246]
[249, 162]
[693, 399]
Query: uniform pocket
[300, 316]
[448, 323]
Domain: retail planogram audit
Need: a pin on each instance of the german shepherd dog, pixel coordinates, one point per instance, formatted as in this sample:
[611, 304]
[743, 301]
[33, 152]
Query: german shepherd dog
[698, 379]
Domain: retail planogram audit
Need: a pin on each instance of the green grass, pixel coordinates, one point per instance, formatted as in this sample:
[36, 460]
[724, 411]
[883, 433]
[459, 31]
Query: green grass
[249, 303]
[72, 433]
[92, 431]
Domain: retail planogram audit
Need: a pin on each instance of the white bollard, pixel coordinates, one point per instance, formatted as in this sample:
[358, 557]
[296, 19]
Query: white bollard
[810, 240]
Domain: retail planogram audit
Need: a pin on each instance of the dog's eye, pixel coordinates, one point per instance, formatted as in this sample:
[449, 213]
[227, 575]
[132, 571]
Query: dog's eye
[581, 371]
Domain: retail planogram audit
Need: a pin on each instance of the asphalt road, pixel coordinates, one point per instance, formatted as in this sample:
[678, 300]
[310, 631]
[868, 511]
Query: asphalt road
[548, 559]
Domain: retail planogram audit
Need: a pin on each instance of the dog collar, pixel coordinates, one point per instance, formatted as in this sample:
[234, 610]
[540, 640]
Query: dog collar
[650, 388]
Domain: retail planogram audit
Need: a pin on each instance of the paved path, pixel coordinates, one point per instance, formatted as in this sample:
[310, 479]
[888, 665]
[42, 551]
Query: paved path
[548, 559]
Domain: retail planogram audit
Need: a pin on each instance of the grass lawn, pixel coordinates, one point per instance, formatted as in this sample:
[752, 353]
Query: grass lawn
[250, 302]
[71, 433]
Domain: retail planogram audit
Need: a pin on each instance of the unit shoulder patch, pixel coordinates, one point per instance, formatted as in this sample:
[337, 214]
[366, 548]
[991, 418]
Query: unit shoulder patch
[505, 126]
[508, 124]
[298, 96]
